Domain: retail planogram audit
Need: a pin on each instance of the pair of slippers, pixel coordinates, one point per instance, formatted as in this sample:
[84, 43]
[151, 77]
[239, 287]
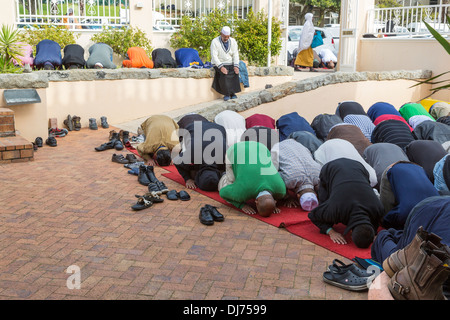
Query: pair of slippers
[174, 195]
[349, 277]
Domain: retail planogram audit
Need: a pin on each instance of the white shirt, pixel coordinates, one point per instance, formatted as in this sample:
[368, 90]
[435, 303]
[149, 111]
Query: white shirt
[234, 125]
[326, 55]
[221, 56]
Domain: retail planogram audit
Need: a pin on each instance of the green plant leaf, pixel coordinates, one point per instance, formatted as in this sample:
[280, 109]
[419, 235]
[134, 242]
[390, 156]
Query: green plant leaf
[445, 44]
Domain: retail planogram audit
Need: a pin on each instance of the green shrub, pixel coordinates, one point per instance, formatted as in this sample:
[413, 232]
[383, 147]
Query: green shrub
[198, 33]
[59, 34]
[250, 34]
[124, 38]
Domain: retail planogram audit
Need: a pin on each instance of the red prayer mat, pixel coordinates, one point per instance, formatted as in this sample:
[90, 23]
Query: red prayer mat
[294, 220]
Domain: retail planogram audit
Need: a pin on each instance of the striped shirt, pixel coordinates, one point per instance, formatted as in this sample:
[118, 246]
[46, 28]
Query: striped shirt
[392, 131]
[296, 165]
[363, 122]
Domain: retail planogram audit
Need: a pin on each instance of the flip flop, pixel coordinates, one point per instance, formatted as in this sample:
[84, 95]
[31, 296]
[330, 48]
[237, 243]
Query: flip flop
[183, 196]
[172, 195]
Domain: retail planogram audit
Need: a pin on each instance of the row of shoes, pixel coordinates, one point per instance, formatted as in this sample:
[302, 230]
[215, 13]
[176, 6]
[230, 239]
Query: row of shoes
[93, 123]
[209, 214]
[117, 140]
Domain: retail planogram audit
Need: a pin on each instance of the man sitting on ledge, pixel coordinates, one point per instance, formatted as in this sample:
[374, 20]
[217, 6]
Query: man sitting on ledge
[225, 59]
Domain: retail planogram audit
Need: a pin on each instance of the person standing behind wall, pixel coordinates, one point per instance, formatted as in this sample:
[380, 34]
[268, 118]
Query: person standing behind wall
[305, 56]
[225, 59]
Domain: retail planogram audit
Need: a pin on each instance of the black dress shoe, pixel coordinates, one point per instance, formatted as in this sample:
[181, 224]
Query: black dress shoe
[206, 217]
[142, 176]
[217, 216]
[105, 146]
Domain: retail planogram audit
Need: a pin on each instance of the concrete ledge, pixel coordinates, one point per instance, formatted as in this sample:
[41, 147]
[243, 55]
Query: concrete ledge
[253, 99]
[41, 78]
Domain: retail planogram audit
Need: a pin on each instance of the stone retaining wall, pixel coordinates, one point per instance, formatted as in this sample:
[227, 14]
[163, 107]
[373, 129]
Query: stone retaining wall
[253, 99]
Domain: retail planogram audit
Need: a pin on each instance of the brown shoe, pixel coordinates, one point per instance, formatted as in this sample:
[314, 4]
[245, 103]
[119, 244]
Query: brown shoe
[399, 259]
[119, 158]
[112, 134]
[423, 278]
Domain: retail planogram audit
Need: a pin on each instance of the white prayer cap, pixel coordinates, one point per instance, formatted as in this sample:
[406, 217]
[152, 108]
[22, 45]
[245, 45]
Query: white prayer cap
[308, 201]
[226, 31]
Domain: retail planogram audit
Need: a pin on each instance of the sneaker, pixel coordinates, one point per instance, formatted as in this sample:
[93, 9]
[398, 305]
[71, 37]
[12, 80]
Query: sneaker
[233, 96]
[153, 187]
[162, 187]
[104, 122]
[98, 65]
[226, 98]
[39, 142]
[55, 132]
[51, 141]
[119, 158]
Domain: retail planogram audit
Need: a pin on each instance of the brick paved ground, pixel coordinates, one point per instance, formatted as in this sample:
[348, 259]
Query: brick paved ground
[71, 206]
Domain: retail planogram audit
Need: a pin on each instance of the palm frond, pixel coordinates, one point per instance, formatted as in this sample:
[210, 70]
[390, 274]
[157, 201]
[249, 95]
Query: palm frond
[445, 44]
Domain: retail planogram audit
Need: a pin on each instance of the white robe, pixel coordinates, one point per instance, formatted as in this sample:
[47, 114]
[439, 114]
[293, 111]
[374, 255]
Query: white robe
[307, 35]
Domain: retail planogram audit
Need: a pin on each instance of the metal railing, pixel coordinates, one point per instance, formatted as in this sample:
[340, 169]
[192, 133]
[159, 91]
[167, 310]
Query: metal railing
[169, 13]
[408, 21]
[73, 14]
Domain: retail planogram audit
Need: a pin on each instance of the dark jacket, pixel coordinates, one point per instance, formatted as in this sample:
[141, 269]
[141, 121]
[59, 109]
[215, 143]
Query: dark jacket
[345, 196]
[73, 54]
[194, 156]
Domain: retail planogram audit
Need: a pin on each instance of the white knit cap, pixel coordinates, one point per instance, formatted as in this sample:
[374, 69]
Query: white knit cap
[308, 201]
[226, 31]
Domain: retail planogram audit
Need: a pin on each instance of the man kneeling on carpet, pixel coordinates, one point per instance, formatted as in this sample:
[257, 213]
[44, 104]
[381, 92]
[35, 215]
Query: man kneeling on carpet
[346, 197]
[201, 161]
[160, 139]
[300, 173]
[250, 174]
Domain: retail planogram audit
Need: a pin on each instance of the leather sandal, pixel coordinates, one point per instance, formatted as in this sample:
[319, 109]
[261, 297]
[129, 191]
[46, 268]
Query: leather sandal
[142, 203]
